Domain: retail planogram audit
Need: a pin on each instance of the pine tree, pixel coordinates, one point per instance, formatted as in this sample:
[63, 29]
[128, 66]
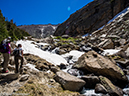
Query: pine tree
[3, 27]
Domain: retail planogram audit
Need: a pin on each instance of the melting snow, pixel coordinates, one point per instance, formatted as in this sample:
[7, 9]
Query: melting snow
[32, 67]
[110, 51]
[121, 14]
[28, 47]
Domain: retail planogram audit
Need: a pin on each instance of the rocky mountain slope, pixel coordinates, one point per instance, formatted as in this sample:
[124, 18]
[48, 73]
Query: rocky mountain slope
[99, 62]
[39, 31]
[91, 17]
[116, 32]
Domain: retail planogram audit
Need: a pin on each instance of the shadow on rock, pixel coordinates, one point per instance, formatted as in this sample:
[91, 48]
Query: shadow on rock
[8, 77]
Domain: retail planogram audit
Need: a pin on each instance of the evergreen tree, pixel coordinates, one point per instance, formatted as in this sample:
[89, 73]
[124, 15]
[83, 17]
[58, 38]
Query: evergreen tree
[8, 28]
[3, 27]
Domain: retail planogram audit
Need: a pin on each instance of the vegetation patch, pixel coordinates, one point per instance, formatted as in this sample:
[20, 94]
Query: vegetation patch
[36, 88]
[8, 28]
[69, 40]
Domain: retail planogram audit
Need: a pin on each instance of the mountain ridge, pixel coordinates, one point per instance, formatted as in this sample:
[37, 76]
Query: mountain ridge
[91, 17]
[40, 30]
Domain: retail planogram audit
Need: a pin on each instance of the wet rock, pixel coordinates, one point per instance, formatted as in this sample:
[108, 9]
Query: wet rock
[62, 66]
[111, 89]
[123, 63]
[99, 88]
[126, 91]
[68, 81]
[91, 81]
[75, 72]
[44, 48]
[85, 49]
[62, 51]
[56, 51]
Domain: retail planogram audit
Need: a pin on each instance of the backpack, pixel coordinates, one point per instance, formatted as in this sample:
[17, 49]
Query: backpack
[3, 47]
[16, 52]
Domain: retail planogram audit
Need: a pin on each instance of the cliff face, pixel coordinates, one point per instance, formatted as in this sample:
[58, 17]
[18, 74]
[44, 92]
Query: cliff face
[39, 31]
[91, 17]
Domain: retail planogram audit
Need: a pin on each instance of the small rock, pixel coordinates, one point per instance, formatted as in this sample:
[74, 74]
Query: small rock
[24, 77]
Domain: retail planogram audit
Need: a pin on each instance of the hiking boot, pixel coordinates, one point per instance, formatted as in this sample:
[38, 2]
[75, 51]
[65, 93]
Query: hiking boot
[21, 71]
[1, 65]
[5, 71]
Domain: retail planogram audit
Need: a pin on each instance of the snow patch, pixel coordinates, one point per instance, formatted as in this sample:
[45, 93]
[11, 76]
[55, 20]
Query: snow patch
[54, 27]
[121, 14]
[110, 51]
[30, 48]
[31, 66]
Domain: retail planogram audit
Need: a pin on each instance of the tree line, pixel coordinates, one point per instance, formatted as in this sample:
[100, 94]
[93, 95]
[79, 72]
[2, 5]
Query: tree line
[8, 28]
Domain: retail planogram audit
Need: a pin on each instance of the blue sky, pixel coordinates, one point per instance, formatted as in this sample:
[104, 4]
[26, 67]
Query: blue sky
[27, 12]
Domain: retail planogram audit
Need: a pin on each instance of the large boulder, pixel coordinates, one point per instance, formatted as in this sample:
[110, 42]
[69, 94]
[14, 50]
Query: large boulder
[106, 44]
[110, 87]
[9, 76]
[91, 81]
[99, 88]
[68, 81]
[124, 52]
[97, 64]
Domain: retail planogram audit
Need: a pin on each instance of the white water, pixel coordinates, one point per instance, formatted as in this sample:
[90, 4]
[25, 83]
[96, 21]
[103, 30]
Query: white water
[75, 55]
[89, 92]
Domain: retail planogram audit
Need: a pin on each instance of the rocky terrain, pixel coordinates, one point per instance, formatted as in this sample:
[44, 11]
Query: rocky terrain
[72, 66]
[39, 31]
[91, 17]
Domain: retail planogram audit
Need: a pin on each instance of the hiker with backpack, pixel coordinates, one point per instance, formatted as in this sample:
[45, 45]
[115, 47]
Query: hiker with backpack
[6, 51]
[18, 55]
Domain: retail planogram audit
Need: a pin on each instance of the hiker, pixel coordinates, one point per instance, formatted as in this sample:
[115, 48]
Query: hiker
[6, 54]
[18, 55]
